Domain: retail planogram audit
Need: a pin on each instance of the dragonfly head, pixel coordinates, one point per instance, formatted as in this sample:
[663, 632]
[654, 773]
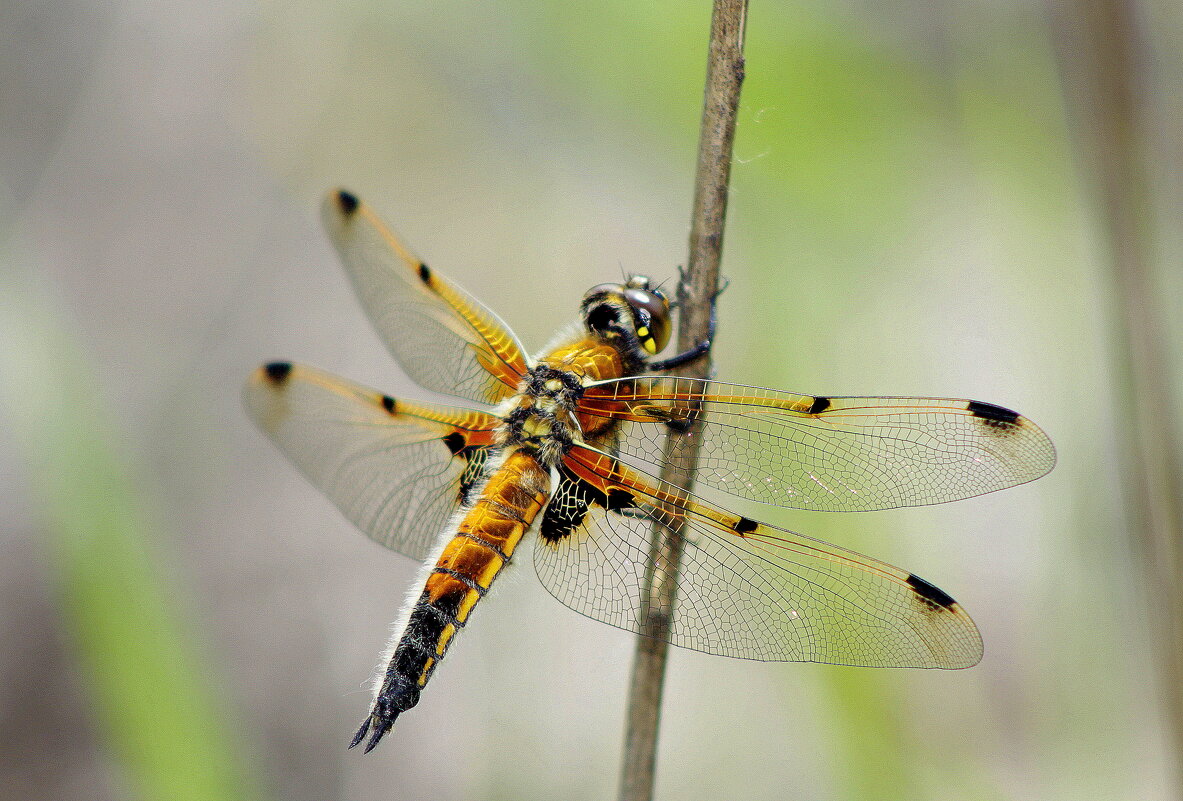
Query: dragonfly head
[633, 314]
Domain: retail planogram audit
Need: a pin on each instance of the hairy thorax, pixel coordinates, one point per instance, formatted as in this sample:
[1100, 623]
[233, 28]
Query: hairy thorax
[542, 419]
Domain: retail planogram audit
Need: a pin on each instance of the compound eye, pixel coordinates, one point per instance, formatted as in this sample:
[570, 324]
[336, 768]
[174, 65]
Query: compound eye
[653, 318]
[600, 290]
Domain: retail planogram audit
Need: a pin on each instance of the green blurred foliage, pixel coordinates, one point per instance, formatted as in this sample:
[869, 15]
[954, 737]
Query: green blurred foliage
[148, 683]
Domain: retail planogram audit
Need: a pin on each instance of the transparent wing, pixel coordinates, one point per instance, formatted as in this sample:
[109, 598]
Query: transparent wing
[396, 469]
[827, 454]
[441, 336]
[745, 589]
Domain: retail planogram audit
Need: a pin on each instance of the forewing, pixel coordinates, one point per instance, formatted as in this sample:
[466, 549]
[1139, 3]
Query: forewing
[744, 589]
[396, 469]
[441, 336]
[823, 453]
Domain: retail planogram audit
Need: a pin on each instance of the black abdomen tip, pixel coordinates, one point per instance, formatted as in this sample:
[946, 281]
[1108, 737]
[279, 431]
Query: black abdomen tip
[278, 372]
[347, 201]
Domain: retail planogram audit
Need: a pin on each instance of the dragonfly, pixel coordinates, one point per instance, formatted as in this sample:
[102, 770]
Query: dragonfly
[566, 448]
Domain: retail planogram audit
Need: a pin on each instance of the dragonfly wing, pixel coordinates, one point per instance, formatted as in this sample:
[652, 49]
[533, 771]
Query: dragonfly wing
[398, 470]
[744, 589]
[826, 453]
[441, 336]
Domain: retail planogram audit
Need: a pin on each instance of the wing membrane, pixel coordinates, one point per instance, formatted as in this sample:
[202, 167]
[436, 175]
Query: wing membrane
[827, 454]
[396, 469]
[745, 589]
[441, 336]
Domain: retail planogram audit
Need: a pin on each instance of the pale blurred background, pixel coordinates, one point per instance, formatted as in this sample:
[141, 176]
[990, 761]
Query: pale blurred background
[183, 617]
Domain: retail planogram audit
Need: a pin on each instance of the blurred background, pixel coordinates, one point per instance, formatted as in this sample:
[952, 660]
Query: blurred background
[928, 199]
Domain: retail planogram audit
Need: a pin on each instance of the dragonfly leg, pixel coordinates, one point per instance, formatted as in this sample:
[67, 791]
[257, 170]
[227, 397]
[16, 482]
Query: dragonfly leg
[687, 356]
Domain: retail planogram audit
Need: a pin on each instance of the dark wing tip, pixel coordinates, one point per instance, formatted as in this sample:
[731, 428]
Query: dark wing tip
[992, 413]
[347, 201]
[277, 372]
[932, 595]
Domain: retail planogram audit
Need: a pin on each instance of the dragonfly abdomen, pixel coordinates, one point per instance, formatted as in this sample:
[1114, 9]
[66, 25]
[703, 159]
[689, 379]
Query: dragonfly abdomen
[479, 549]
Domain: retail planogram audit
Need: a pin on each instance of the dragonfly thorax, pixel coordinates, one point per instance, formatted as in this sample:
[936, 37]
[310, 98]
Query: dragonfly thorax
[541, 417]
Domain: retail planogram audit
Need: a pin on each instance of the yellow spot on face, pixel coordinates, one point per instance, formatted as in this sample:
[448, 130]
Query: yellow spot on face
[650, 345]
[642, 332]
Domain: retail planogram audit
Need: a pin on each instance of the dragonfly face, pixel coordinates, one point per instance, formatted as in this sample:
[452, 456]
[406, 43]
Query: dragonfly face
[568, 445]
[631, 314]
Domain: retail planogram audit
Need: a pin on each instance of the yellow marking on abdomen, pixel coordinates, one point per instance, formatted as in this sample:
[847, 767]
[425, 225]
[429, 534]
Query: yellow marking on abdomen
[445, 637]
[486, 538]
[426, 674]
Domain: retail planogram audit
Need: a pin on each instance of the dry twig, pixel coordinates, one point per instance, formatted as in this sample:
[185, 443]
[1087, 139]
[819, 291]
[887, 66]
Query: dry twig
[699, 284]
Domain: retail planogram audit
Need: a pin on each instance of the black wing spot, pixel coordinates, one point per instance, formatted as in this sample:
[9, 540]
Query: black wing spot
[745, 525]
[933, 597]
[455, 442]
[278, 372]
[474, 471]
[348, 202]
[618, 500]
[992, 413]
[819, 405]
[566, 510]
[424, 273]
[569, 504]
[680, 420]
[388, 404]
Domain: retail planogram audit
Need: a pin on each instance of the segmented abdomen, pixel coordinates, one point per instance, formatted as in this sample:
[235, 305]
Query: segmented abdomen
[482, 545]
